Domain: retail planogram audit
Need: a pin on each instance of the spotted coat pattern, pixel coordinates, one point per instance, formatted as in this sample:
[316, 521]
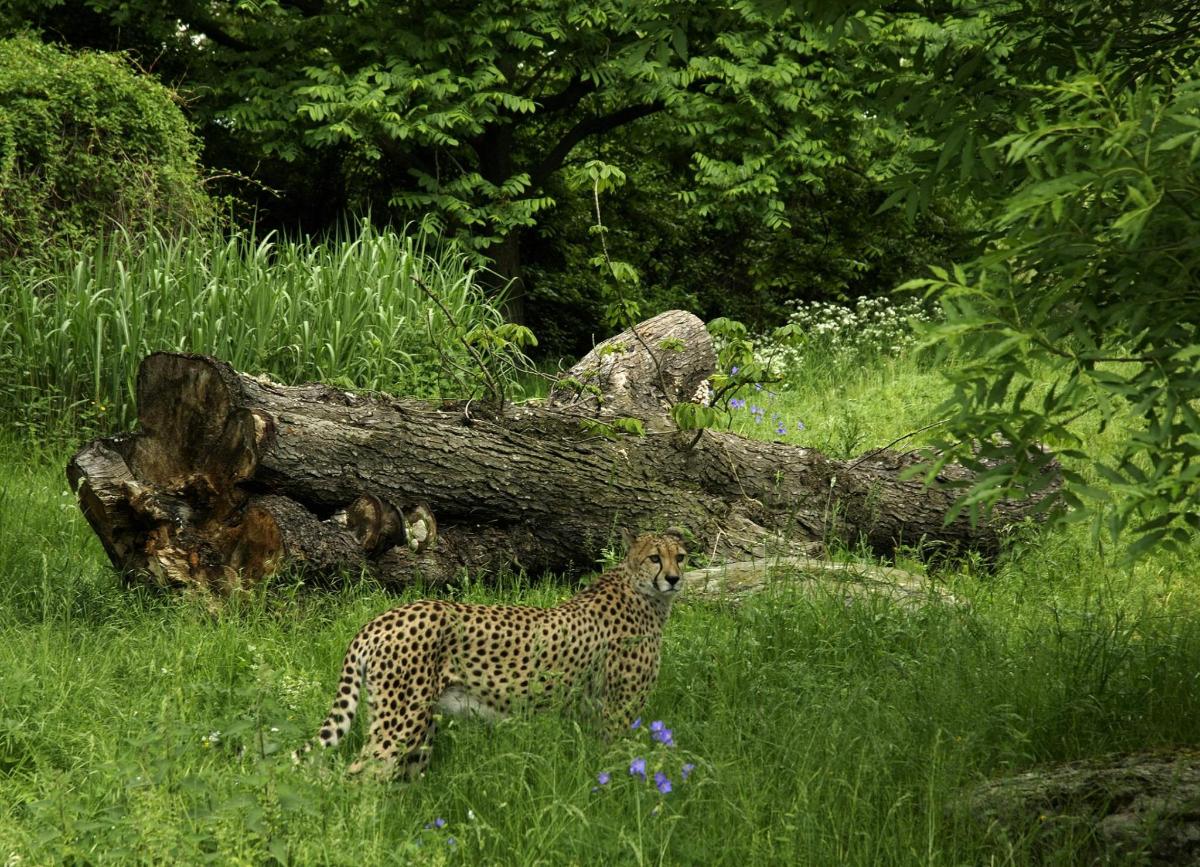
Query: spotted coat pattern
[492, 659]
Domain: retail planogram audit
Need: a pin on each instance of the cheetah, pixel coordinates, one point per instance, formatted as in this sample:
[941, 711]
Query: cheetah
[490, 660]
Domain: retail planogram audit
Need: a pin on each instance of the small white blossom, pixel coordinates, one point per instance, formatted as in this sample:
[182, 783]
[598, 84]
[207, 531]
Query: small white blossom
[872, 326]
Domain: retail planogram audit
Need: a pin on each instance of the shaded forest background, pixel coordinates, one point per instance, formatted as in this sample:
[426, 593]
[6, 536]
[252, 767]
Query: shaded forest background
[754, 142]
[597, 162]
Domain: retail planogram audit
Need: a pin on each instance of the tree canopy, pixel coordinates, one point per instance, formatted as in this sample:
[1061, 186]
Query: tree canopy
[464, 115]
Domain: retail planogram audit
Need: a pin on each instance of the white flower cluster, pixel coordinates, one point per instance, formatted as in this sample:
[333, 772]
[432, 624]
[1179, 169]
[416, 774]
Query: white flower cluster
[294, 690]
[836, 332]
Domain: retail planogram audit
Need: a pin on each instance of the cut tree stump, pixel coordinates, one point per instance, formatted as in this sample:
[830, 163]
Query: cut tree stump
[231, 477]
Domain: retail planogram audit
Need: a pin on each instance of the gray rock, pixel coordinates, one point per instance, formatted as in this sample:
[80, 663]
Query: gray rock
[1139, 807]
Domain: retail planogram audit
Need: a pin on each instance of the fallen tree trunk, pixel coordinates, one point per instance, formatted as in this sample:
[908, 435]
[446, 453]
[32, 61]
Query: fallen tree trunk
[230, 477]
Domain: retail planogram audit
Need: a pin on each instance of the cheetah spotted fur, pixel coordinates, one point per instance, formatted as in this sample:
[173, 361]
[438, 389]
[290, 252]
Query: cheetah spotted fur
[489, 660]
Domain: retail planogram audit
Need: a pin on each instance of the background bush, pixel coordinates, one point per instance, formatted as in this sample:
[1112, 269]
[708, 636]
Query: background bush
[87, 144]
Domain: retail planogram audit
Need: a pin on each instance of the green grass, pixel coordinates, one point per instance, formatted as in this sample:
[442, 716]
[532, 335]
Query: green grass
[347, 311]
[822, 733]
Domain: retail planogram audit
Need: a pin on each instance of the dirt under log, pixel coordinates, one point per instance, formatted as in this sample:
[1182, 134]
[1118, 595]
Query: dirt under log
[231, 477]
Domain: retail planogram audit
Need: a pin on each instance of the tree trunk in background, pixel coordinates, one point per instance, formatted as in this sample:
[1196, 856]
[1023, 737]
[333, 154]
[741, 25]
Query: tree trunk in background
[232, 477]
[506, 263]
[494, 150]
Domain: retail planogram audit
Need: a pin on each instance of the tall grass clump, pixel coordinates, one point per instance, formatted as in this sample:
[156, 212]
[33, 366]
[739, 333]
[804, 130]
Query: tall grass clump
[349, 311]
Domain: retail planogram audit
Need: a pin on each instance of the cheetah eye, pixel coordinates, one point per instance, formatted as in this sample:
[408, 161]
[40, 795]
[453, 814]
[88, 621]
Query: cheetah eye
[679, 558]
[654, 558]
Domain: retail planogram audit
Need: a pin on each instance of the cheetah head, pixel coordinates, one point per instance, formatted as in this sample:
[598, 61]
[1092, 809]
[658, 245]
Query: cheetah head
[655, 561]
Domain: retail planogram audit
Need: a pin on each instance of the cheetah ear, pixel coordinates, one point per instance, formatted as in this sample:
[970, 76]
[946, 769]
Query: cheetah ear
[628, 537]
[677, 532]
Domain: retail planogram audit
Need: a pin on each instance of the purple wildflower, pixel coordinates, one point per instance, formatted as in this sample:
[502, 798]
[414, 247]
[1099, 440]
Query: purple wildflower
[736, 403]
[799, 426]
[733, 370]
[637, 722]
[662, 783]
[450, 841]
[603, 777]
[664, 737]
[637, 768]
[780, 429]
[657, 726]
[686, 770]
[439, 823]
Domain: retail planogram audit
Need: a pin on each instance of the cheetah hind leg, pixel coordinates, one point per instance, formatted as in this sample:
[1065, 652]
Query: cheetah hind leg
[385, 760]
[401, 729]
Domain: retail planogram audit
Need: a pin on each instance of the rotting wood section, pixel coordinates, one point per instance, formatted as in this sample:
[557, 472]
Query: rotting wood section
[229, 477]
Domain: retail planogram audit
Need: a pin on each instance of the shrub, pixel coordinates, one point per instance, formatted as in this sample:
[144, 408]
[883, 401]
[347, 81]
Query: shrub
[88, 144]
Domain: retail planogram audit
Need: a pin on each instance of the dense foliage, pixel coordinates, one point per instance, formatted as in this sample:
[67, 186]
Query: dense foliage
[741, 126]
[1086, 304]
[88, 145]
[1076, 127]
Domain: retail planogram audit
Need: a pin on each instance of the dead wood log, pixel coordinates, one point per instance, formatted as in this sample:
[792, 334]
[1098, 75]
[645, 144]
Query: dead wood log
[732, 582]
[230, 477]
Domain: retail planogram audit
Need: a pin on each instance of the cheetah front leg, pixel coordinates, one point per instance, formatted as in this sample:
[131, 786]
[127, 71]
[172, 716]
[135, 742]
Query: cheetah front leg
[623, 700]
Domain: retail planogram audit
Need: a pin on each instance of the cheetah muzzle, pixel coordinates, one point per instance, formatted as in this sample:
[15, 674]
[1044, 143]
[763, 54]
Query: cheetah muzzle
[489, 660]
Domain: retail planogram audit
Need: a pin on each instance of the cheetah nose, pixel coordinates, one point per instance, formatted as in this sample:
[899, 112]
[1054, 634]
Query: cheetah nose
[672, 580]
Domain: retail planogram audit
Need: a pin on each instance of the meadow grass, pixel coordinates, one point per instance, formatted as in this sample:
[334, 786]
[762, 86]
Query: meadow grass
[137, 727]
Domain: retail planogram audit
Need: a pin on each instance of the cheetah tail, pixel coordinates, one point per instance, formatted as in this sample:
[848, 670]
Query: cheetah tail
[345, 703]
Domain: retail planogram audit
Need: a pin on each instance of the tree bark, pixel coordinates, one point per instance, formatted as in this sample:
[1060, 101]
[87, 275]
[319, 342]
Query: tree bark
[494, 150]
[232, 477]
[506, 276]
